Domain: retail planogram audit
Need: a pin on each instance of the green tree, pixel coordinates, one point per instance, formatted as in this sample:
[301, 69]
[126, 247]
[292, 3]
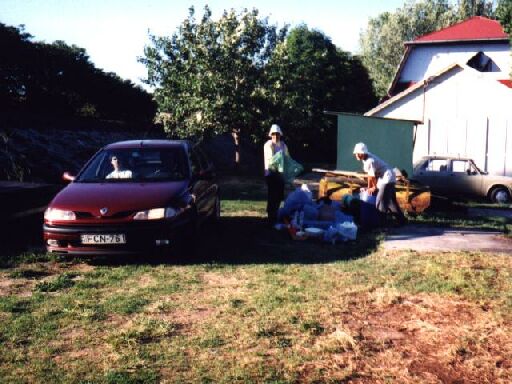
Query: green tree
[56, 80]
[14, 44]
[504, 14]
[306, 76]
[382, 43]
[207, 76]
[470, 8]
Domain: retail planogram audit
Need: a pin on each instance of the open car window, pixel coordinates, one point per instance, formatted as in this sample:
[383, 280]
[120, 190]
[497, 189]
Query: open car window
[461, 166]
[137, 165]
[437, 165]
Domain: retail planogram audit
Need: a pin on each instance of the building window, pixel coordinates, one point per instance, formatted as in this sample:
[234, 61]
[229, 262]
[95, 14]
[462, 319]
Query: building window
[483, 63]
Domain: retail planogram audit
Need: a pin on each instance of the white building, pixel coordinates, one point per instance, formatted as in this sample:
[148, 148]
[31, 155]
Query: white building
[456, 81]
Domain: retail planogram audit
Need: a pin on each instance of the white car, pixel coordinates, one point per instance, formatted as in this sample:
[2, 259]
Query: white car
[456, 176]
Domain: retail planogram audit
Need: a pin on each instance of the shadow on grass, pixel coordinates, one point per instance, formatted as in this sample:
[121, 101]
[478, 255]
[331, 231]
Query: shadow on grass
[21, 236]
[248, 240]
[234, 240]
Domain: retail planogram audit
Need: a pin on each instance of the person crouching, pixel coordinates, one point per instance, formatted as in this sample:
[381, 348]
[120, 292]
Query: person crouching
[381, 180]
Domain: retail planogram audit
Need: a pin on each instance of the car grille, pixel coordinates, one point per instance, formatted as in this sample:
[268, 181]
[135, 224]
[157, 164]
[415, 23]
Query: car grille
[118, 215]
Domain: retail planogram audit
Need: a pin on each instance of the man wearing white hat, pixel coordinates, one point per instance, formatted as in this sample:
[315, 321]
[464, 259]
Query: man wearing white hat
[381, 180]
[274, 179]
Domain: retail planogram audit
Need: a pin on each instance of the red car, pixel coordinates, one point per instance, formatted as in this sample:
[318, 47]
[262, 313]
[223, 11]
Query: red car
[134, 197]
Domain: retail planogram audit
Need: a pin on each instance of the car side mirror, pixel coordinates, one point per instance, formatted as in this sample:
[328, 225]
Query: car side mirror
[66, 176]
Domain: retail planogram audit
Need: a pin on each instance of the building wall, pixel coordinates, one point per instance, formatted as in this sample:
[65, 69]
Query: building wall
[465, 113]
[428, 60]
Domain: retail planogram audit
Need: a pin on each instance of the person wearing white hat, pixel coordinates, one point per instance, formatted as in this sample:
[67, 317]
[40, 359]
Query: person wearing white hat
[381, 180]
[274, 179]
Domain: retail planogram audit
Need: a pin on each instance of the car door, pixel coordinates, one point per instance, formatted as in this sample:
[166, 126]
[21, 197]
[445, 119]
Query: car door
[464, 178]
[209, 175]
[433, 173]
[204, 187]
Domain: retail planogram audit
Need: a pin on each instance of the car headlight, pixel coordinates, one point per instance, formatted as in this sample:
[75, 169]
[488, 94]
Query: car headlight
[155, 214]
[54, 214]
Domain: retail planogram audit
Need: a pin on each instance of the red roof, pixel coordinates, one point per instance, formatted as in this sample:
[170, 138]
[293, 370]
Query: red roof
[475, 28]
[508, 83]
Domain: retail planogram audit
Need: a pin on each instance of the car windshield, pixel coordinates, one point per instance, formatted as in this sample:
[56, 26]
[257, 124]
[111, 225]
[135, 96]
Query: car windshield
[136, 165]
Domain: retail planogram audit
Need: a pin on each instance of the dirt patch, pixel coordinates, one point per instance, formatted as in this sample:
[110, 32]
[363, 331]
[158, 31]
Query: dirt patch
[429, 339]
[75, 346]
[22, 281]
[140, 282]
[169, 309]
[16, 287]
[188, 317]
[82, 268]
[217, 279]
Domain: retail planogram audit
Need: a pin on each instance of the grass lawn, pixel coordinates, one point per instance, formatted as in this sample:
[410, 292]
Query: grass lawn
[258, 307]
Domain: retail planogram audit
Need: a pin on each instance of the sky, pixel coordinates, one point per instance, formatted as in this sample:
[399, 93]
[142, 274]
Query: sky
[114, 32]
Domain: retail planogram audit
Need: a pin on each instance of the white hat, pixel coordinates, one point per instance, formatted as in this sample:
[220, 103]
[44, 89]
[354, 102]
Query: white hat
[275, 129]
[361, 148]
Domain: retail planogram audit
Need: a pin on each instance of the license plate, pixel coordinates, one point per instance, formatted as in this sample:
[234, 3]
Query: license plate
[117, 238]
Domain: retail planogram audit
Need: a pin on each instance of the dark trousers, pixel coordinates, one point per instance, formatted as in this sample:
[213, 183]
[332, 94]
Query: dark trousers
[386, 202]
[275, 186]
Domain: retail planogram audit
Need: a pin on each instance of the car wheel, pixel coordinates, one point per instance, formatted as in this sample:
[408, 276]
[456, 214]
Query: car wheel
[500, 195]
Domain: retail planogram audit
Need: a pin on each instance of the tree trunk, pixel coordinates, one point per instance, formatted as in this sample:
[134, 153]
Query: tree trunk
[236, 138]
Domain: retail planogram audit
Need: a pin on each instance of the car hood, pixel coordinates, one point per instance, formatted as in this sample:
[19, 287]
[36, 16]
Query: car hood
[118, 196]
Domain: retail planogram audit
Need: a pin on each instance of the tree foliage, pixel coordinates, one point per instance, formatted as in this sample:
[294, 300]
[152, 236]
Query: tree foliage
[470, 8]
[239, 73]
[306, 76]
[382, 43]
[207, 76]
[59, 80]
[504, 14]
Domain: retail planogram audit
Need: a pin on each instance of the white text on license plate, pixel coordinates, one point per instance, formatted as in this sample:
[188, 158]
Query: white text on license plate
[116, 238]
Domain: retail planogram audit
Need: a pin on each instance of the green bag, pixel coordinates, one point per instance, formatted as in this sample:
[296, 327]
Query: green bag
[277, 162]
[284, 164]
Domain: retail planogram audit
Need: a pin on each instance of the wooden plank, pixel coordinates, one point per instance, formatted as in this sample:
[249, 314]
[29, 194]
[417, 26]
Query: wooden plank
[348, 174]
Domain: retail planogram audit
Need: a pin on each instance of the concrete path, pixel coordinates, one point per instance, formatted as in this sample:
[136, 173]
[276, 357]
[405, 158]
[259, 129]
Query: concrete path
[420, 238]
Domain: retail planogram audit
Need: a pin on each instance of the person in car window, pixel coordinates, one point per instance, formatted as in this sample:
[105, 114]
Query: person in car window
[381, 180]
[274, 178]
[119, 172]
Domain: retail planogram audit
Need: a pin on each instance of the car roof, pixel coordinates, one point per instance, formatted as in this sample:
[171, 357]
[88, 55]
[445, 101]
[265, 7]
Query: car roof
[150, 143]
[447, 157]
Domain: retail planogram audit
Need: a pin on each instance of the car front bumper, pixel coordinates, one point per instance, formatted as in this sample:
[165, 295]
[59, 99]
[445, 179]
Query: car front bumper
[141, 237]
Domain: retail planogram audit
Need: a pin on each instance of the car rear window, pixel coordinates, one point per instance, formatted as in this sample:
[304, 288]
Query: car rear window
[137, 165]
